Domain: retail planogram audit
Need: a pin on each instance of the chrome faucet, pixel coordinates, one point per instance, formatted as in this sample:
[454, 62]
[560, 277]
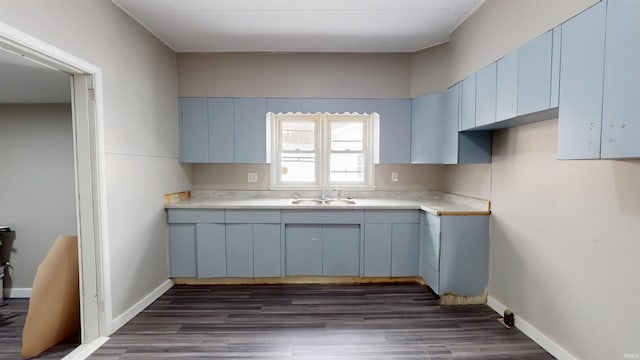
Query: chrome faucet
[323, 195]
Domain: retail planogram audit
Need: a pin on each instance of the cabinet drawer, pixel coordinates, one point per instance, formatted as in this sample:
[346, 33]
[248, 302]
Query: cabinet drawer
[391, 217]
[431, 221]
[322, 216]
[252, 216]
[192, 216]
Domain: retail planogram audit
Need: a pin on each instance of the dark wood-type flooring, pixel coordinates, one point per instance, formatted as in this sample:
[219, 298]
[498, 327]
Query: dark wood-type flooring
[12, 316]
[368, 321]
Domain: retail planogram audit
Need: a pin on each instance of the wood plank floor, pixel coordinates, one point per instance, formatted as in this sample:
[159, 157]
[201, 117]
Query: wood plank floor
[12, 316]
[368, 321]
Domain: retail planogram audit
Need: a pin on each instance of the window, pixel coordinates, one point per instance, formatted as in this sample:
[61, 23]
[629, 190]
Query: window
[319, 150]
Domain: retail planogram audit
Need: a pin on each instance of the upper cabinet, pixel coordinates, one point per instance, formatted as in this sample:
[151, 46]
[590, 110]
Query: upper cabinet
[394, 132]
[223, 130]
[468, 103]
[600, 83]
[582, 66]
[194, 130]
[534, 75]
[486, 95]
[620, 121]
[435, 138]
[507, 87]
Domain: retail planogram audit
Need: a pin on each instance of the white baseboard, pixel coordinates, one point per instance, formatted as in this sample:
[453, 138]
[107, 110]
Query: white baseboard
[119, 321]
[532, 332]
[17, 293]
[83, 351]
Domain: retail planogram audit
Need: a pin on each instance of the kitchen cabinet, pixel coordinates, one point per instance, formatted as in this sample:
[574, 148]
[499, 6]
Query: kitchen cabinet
[197, 243]
[322, 250]
[454, 254]
[303, 246]
[341, 250]
[486, 85]
[555, 67]
[394, 132]
[468, 103]
[194, 130]
[507, 87]
[428, 114]
[581, 84]
[391, 243]
[435, 138]
[621, 93]
[211, 257]
[250, 129]
[221, 130]
[253, 243]
[322, 242]
[534, 75]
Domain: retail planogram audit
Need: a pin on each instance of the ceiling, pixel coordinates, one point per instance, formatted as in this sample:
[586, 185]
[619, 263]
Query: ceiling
[25, 81]
[300, 25]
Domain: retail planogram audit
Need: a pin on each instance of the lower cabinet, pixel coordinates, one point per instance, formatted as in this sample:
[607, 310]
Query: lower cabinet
[454, 254]
[391, 243]
[322, 250]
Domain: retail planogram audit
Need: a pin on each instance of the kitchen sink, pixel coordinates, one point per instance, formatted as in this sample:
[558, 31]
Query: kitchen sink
[314, 201]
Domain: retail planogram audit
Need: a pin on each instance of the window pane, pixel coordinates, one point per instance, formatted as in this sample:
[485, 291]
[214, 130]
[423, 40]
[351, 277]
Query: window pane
[298, 167]
[346, 168]
[298, 136]
[346, 135]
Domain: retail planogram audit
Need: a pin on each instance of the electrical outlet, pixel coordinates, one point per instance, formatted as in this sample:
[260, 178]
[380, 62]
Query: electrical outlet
[394, 176]
[252, 177]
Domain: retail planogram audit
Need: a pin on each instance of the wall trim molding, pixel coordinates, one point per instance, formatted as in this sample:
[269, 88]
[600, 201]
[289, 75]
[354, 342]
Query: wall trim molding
[532, 332]
[17, 293]
[85, 350]
[129, 314]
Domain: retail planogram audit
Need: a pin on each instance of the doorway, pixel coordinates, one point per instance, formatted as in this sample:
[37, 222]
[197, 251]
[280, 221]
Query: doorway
[90, 193]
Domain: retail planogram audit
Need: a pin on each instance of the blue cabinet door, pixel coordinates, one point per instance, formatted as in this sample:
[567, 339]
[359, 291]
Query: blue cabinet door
[303, 250]
[507, 87]
[449, 133]
[341, 250]
[211, 250]
[464, 255]
[266, 250]
[468, 103]
[427, 117]
[534, 75]
[430, 257]
[221, 130]
[182, 250]
[239, 250]
[581, 78]
[394, 131]
[194, 130]
[555, 67]
[486, 95]
[620, 120]
[250, 130]
[377, 250]
[405, 245]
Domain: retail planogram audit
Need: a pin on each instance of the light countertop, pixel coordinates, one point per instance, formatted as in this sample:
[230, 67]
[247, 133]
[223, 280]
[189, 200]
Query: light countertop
[436, 203]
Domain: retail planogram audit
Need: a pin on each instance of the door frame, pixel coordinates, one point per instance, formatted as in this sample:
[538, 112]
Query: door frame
[89, 161]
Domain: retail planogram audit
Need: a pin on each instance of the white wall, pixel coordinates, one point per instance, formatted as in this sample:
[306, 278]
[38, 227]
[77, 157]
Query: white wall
[564, 234]
[37, 184]
[294, 75]
[141, 129]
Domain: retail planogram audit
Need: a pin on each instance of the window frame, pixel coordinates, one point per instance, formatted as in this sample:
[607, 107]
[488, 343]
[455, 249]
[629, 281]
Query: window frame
[322, 125]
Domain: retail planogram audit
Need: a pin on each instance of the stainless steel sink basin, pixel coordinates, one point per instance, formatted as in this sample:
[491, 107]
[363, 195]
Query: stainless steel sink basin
[323, 201]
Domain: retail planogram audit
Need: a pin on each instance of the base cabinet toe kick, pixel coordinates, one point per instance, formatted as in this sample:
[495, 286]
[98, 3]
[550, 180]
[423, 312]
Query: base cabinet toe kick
[450, 253]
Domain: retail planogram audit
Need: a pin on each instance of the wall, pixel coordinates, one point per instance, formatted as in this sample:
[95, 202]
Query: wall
[140, 125]
[37, 184]
[234, 177]
[294, 75]
[564, 234]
